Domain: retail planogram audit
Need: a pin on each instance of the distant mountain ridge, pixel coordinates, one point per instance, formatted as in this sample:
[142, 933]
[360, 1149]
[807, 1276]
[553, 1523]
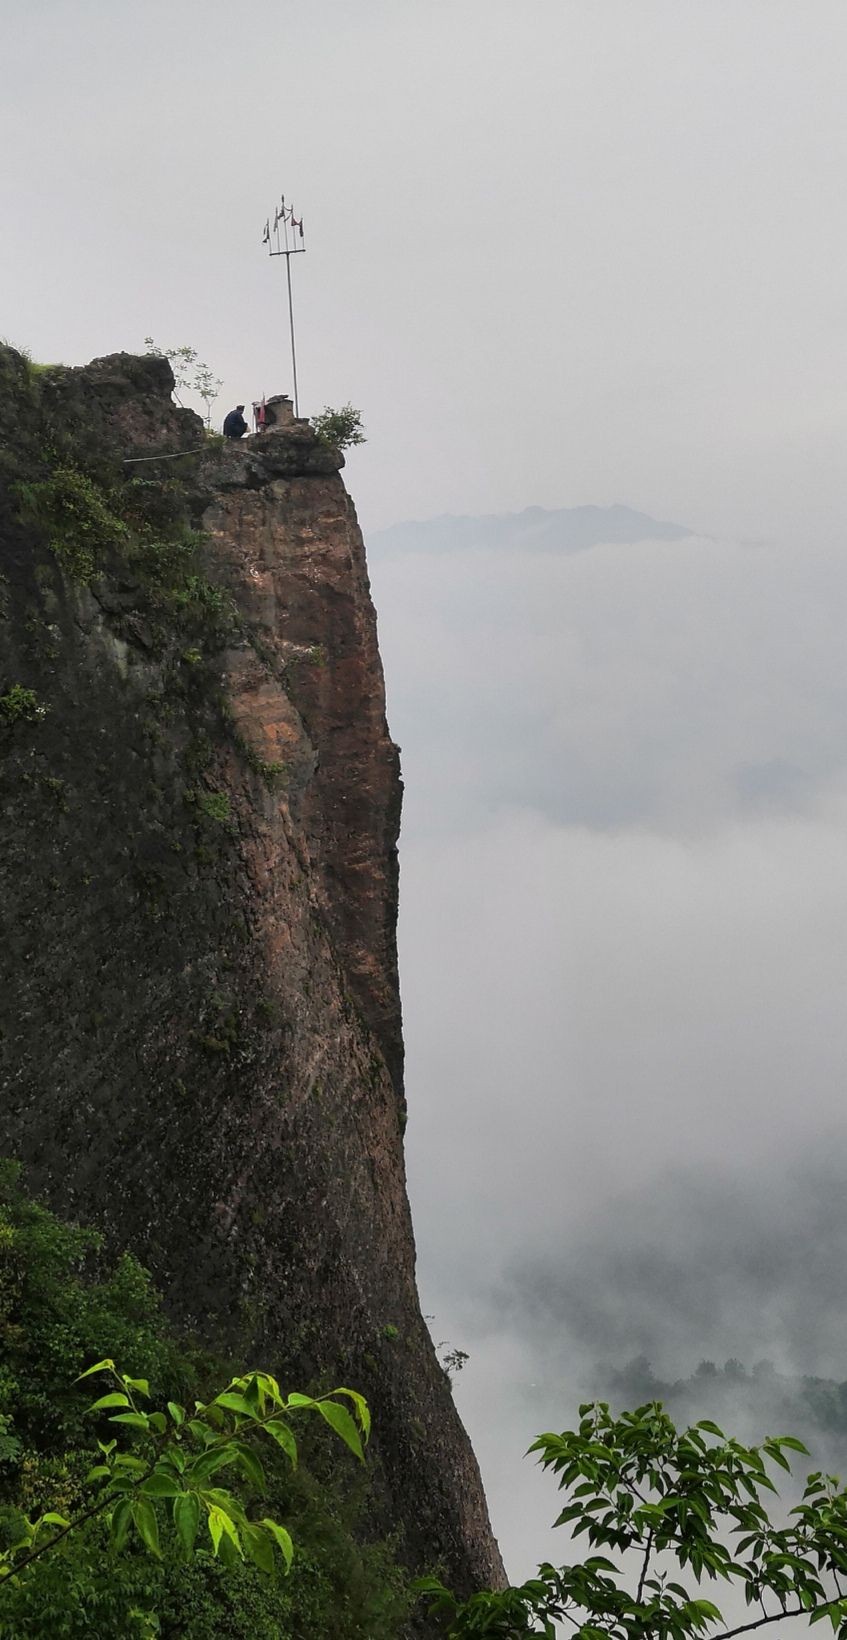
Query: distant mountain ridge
[564, 529]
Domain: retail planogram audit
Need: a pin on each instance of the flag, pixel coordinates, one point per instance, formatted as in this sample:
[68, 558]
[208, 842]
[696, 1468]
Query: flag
[266, 236]
[300, 226]
[276, 218]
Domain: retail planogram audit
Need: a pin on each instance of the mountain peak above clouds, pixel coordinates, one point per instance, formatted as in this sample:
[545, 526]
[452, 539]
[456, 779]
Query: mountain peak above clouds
[562, 529]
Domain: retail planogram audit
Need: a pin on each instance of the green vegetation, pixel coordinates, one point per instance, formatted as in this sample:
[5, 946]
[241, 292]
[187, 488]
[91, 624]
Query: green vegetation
[686, 1504]
[21, 705]
[80, 525]
[141, 1541]
[340, 428]
[138, 526]
[271, 772]
[215, 806]
[178, 1453]
[189, 373]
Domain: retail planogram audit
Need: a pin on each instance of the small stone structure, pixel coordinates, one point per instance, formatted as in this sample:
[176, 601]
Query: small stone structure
[279, 411]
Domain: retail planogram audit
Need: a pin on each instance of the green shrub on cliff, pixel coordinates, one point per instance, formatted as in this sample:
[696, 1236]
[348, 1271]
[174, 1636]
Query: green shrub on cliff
[340, 428]
[60, 1304]
[80, 525]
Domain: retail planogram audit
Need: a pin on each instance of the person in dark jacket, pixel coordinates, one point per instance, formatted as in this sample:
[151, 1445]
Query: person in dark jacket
[234, 424]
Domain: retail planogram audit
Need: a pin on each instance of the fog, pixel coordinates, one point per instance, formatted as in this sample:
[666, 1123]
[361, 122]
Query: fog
[623, 936]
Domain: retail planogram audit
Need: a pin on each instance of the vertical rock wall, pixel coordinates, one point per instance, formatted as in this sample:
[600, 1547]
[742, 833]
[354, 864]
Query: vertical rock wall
[201, 1027]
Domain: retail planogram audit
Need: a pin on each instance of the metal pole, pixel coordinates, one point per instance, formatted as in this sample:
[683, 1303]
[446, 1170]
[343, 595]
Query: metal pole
[288, 255]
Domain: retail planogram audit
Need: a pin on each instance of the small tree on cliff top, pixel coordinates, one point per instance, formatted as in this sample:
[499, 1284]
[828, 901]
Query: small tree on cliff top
[190, 374]
[340, 428]
[669, 1505]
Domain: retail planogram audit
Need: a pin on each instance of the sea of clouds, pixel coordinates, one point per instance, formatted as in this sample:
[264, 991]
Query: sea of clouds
[623, 942]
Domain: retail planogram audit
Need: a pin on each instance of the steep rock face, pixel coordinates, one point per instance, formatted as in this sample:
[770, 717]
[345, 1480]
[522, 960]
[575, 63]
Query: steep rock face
[200, 800]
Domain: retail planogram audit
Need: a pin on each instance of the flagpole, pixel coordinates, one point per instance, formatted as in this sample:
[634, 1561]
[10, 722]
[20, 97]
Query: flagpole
[288, 255]
[285, 214]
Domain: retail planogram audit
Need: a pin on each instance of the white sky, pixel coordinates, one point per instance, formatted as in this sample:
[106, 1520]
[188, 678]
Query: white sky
[559, 252]
[562, 251]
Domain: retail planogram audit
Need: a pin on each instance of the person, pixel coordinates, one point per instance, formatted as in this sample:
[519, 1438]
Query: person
[234, 424]
[259, 416]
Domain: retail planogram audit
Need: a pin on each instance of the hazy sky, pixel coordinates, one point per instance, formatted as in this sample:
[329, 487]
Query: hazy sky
[623, 947]
[563, 252]
[558, 251]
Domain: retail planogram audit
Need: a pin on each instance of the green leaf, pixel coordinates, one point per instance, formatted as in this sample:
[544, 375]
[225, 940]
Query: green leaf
[139, 1384]
[209, 1462]
[146, 1524]
[159, 1485]
[361, 1406]
[229, 1553]
[52, 1519]
[186, 1512]
[125, 1460]
[270, 1386]
[99, 1366]
[158, 1421]
[116, 1399]
[259, 1548]
[340, 1420]
[220, 1525]
[100, 1472]
[177, 1412]
[284, 1438]
[120, 1522]
[250, 1464]
[135, 1420]
[282, 1539]
[216, 1520]
[295, 1399]
[235, 1403]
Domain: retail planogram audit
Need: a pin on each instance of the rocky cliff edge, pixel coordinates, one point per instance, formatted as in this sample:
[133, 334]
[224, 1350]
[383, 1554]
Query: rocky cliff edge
[199, 808]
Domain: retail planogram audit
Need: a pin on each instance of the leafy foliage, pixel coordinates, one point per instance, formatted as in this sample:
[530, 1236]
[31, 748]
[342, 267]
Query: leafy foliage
[189, 373]
[138, 526]
[674, 1504]
[340, 428]
[21, 705]
[123, 1567]
[80, 525]
[175, 1456]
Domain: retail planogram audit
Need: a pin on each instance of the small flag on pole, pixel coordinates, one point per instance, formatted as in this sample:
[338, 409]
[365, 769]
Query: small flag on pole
[266, 236]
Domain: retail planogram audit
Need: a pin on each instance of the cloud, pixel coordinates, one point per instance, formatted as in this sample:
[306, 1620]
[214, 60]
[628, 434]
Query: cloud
[623, 936]
[667, 684]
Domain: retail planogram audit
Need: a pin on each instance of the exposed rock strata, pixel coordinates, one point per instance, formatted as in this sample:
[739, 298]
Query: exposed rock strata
[201, 1026]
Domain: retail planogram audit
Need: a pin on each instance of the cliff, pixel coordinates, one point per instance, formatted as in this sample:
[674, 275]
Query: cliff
[199, 805]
